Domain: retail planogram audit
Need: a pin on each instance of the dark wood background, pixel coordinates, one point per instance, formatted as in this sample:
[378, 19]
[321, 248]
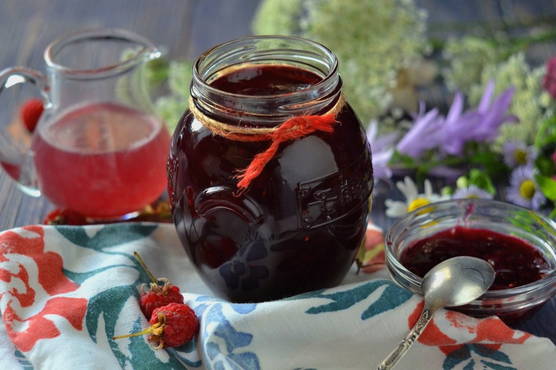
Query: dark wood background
[188, 27]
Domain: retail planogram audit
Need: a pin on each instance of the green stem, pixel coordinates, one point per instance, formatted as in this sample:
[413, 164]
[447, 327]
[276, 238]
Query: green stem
[145, 268]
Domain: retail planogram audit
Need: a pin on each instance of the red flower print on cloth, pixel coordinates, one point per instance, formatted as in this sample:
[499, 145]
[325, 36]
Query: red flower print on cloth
[29, 272]
[490, 332]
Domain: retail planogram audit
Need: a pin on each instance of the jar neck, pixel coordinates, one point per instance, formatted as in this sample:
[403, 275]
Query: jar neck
[260, 51]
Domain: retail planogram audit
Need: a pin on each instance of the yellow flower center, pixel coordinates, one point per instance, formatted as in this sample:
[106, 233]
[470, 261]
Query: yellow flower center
[417, 203]
[527, 189]
[520, 156]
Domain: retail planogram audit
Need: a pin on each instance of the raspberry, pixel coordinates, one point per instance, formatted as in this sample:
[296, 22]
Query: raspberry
[178, 324]
[155, 295]
[159, 296]
[171, 326]
[30, 112]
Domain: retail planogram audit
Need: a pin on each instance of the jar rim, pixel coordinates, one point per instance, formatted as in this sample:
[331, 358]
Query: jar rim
[147, 51]
[413, 280]
[200, 80]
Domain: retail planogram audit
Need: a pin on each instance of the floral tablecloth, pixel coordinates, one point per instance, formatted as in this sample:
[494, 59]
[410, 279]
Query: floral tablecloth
[66, 290]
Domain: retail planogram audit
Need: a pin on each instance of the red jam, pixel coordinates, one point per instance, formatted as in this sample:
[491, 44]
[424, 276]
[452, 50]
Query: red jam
[298, 226]
[516, 262]
[265, 80]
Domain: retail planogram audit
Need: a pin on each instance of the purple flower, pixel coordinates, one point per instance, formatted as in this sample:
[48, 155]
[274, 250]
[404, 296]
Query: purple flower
[382, 149]
[477, 125]
[423, 135]
[523, 189]
[451, 136]
[493, 115]
[450, 133]
[516, 153]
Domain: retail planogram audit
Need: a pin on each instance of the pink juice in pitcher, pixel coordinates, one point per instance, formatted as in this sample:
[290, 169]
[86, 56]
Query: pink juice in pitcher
[102, 160]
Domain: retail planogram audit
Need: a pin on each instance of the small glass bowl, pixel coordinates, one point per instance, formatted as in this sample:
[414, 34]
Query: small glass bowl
[509, 304]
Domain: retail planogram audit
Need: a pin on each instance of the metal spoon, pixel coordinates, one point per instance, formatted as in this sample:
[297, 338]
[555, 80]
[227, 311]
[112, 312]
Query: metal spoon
[454, 282]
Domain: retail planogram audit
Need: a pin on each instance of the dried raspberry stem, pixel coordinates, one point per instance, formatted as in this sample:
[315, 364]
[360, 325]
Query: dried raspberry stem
[157, 330]
[139, 259]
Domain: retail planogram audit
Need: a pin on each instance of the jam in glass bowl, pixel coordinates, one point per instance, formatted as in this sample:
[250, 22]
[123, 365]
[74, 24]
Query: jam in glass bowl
[299, 223]
[519, 243]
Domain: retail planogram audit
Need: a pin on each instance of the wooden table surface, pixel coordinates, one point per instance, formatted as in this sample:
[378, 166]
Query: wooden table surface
[186, 28]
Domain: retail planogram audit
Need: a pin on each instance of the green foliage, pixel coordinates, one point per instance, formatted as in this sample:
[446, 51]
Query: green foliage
[546, 135]
[373, 39]
[478, 178]
[547, 186]
[157, 72]
[180, 74]
[484, 157]
[545, 165]
[278, 17]
[172, 106]
[423, 165]
[446, 191]
[467, 57]
[403, 159]
[530, 103]
[170, 109]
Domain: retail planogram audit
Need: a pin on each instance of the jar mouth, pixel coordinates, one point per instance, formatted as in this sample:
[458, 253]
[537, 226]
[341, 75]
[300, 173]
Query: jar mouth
[460, 207]
[98, 53]
[283, 49]
[271, 109]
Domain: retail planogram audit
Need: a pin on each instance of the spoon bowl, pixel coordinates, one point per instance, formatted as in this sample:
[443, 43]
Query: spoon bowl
[457, 281]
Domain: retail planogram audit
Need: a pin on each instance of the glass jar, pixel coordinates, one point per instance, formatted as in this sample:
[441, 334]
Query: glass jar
[299, 223]
[536, 230]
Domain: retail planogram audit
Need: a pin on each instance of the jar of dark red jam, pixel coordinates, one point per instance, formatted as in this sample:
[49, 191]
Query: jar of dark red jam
[299, 223]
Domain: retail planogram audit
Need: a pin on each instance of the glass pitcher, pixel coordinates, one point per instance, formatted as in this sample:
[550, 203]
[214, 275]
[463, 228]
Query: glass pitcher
[97, 149]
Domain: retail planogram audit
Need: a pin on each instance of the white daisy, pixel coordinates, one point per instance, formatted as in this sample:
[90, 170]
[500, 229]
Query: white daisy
[413, 199]
[517, 153]
[523, 189]
[472, 191]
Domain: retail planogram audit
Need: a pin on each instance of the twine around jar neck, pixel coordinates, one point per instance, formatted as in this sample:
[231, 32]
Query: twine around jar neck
[291, 129]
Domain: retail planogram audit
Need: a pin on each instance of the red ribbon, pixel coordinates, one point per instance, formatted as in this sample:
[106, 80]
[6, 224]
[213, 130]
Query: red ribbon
[292, 129]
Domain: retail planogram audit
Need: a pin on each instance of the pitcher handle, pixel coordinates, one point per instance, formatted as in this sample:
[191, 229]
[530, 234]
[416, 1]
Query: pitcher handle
[15, 159]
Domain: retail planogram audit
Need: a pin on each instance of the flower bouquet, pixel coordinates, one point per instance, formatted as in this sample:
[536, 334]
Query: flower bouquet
[465, 148]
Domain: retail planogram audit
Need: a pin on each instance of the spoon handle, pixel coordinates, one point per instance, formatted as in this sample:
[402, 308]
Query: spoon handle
[392, 359]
